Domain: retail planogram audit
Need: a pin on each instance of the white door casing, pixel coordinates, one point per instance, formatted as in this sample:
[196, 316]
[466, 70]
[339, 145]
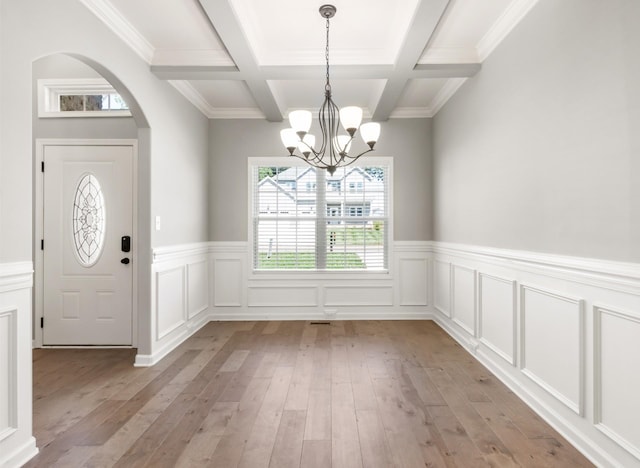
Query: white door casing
[87, 290]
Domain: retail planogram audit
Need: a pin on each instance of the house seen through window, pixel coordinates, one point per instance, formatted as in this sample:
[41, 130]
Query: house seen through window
[342, 226]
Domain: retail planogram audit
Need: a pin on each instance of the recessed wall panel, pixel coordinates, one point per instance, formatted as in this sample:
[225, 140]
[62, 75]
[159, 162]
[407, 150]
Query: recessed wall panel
[170, 308]
[227, 282]
[464, 298]
[497, 315]
[617, 337]
[198, 287]
[442, 287]
[552, 343]
[414, 281]
[358, 296]
[282, 296]
[8, 357]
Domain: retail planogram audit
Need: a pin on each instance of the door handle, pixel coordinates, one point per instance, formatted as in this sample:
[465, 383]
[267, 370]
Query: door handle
[125, 261]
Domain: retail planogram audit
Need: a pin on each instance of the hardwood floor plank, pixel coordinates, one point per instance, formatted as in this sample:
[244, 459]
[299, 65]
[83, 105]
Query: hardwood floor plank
[316, 454]
[404, 447]
[117, 419]
[288, 394]
[345, 444]
[298, 393]
[493, 449]
[373, 443]
[287, 450]
[200, 447]
[318, 424]
[231, 445]
[259, 445]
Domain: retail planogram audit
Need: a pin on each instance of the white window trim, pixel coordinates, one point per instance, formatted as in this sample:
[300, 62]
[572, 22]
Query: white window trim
[49, 91]
[319, 274]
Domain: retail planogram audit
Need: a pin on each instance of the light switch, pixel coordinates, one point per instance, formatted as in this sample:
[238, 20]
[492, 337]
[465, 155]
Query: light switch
[157, 223]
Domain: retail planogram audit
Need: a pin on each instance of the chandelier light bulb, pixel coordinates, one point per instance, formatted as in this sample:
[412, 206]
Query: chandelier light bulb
[305, 146]
[289, 139]
[300, 121]
[350, 118]
[370, 133]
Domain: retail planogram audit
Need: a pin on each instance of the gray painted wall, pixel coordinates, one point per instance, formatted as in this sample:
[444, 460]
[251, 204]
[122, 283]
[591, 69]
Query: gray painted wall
[541, 150]
[62, 66]
[408, 141]
[174, 175]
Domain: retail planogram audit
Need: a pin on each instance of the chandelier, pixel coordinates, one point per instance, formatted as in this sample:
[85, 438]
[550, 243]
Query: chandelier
[333, 151]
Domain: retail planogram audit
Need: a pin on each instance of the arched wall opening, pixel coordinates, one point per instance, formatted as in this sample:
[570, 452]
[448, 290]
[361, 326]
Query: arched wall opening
[135, 127]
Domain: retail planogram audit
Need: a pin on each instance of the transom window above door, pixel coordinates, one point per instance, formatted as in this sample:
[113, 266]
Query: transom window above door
[93, 97]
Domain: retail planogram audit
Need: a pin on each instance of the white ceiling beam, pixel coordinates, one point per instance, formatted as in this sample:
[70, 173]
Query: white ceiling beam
[226, 24]
[314, 72]
[425, 21]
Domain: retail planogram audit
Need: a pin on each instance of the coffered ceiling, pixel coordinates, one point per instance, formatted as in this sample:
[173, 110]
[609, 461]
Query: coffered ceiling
[260, 59]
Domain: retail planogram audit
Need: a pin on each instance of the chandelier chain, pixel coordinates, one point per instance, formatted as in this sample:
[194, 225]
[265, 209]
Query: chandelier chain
[327, 86]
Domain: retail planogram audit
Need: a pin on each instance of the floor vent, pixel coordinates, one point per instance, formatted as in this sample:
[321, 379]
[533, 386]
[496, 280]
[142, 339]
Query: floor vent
[320, 323]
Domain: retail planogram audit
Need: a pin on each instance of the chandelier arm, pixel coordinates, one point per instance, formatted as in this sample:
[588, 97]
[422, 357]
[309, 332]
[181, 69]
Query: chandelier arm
[353, 158]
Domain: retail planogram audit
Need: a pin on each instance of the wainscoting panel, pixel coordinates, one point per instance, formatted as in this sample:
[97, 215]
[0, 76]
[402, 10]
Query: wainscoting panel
[8, 363]
[180, 297]
[335, 296]
[617, 376]
[552, 352]
[242, 294]
[228, 282]
[171, 300]
[578, 371]
[463, 310]
[198, 284]
[413, 281]
[442, 287]
[17, 444]
[497, 315]
[282, 296]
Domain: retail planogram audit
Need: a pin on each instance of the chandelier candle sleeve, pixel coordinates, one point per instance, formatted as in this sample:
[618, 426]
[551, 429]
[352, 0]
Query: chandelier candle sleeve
[334, 148]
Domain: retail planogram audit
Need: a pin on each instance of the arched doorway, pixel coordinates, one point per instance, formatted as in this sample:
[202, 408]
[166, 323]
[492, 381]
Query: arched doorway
[93, 132]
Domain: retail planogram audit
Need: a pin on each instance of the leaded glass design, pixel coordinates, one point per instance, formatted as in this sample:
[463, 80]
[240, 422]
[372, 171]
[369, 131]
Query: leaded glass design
[89, 218]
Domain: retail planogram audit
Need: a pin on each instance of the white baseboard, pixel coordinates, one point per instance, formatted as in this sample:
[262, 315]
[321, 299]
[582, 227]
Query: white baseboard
[148, 360]
[20, 455]
[230, 317]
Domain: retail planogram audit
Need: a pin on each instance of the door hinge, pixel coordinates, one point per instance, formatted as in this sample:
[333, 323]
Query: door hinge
[42, 166]
[41, 244]
[41, 322]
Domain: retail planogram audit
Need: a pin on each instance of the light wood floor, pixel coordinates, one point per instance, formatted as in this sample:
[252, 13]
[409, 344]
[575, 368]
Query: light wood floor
[288, 394]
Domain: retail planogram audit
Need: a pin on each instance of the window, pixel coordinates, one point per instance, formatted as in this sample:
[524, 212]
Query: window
[319, 230]
[80, 98]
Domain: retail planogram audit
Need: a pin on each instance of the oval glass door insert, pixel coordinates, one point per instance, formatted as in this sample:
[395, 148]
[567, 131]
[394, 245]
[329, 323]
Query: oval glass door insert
[89, 220]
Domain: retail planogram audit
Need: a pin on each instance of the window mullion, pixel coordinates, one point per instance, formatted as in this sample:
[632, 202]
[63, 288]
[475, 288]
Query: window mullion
[321, 222]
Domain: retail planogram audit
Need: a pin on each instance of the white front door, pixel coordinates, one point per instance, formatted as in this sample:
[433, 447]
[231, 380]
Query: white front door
[88, 214]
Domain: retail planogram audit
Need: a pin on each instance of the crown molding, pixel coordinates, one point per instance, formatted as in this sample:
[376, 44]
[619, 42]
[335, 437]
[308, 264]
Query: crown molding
[411, 113]
[188, 91]
[446, 92]
[114, 20]
[236, 113]
[191, 57]
[503, 26]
